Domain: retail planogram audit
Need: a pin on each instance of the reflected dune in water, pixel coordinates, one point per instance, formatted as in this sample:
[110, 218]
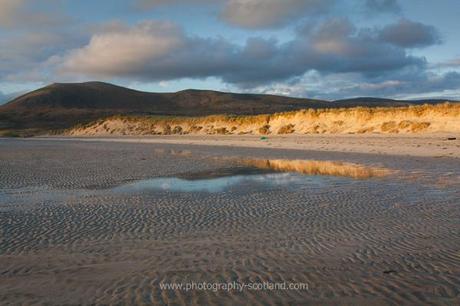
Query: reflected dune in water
[317, 167]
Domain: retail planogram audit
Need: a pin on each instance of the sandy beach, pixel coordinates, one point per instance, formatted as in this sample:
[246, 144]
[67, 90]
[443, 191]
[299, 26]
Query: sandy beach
[106, 221]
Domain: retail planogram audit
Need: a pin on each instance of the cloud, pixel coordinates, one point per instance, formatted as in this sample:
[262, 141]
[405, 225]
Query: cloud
[4, 98]
[9, 9]
[29, 54]
[410, 34]
[257, 14]
[339, 86]
[422, 84]
[338, 58]
[22, 14]
[450, 63]
[253, 14]
[24, 52]
[123, 49]
[337, 46]
[159, 51]
[151, 50]
[151, 4]
[383, 6]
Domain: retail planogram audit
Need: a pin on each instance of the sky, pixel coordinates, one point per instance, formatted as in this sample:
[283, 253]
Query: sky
[324, 49]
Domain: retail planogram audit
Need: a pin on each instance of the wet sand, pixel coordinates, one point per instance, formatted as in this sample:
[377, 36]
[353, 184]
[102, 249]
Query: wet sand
[69, 236]
[426, 145]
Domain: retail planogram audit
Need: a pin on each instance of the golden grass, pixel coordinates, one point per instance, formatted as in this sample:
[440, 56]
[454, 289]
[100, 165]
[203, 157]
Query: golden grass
[286, 129]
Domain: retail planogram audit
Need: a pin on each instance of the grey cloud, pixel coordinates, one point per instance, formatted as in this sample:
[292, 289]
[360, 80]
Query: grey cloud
[410, 34]
[28, 51]
[424, 83]
[33, 32]
[383, 6]
[334, 47]
[23, 14]
[24, 52]
[151, 4]
[256, 14]
[396, 85]
[393, 86]
[8, 10]
[337, 46]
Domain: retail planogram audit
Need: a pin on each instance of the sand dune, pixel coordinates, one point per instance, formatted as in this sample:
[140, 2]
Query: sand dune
[62, 105]
[402, 120]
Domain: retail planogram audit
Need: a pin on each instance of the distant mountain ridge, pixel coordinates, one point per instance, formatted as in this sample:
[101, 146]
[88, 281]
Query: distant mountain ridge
[61, 105]
[191, 102]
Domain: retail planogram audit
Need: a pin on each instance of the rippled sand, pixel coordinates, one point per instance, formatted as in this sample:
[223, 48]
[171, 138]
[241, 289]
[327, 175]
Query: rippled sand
[66, 237]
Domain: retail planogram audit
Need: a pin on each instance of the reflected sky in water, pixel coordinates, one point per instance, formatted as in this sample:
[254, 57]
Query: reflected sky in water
[256, 174]
[221, 184]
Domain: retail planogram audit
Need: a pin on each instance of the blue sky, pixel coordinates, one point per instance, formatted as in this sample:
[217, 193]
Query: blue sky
[327, 49]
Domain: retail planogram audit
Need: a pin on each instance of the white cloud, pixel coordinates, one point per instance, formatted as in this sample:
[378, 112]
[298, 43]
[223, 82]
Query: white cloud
[123, 49]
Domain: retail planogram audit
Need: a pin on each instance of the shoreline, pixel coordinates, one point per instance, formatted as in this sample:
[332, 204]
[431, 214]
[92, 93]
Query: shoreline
[418, 145]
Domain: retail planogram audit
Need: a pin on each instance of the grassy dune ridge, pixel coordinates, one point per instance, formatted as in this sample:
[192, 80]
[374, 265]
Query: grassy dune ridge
[412, 119]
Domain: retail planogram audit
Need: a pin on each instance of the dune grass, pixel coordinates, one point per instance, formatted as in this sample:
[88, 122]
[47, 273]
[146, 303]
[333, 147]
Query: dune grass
[411, 119]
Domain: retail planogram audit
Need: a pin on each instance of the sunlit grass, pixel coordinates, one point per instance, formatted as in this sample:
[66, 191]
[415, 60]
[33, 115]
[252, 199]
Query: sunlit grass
[410, 119]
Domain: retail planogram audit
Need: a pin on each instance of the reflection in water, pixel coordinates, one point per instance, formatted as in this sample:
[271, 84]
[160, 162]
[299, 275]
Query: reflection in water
[308, 167]
[221, 184]
[318, 167]
[225, 172]
[256, 173]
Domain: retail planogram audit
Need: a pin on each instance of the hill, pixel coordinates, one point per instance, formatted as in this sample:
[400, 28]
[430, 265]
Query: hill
[62, 105]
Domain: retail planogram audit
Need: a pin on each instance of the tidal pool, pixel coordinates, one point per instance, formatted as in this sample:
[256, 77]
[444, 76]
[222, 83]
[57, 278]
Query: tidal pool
[258, 173]
[220, 184]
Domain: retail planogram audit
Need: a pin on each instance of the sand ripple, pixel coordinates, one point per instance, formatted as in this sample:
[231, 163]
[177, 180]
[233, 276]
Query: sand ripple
[65, 238]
